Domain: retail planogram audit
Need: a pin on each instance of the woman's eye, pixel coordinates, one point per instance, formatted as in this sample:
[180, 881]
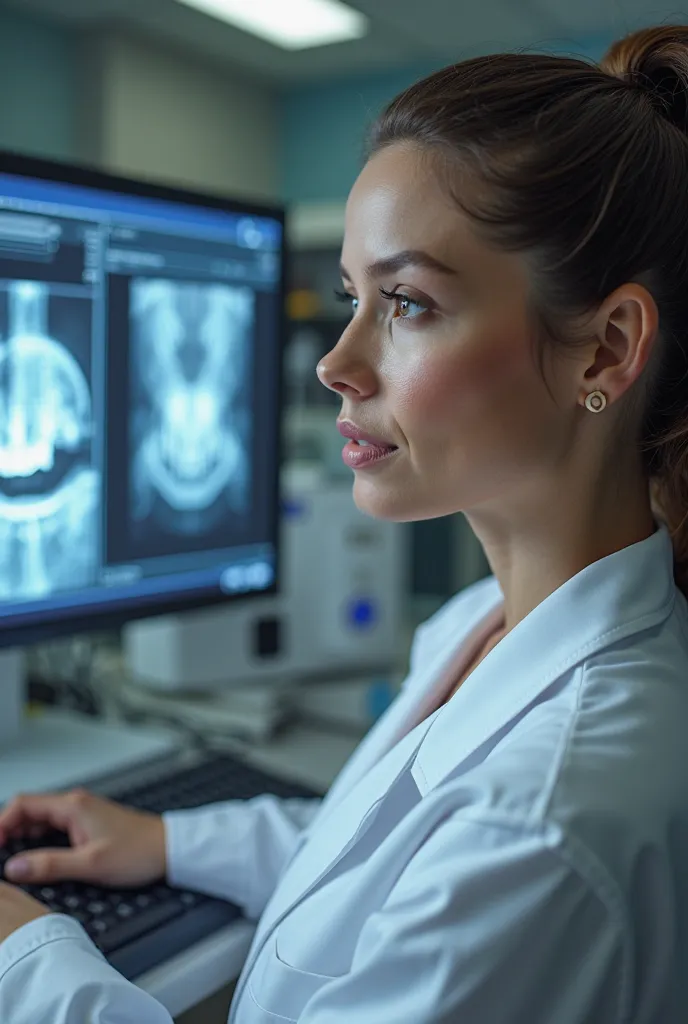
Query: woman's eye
[348, 298]
[408, 308]
[405, 307]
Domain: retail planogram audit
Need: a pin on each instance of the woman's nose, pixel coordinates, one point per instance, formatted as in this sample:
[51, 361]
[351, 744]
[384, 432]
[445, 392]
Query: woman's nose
[348, 375]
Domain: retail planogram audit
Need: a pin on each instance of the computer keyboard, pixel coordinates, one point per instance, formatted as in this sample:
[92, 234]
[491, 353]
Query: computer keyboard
[138, 929]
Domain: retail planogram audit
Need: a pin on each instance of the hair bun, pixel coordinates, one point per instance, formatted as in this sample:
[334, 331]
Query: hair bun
[656, 61]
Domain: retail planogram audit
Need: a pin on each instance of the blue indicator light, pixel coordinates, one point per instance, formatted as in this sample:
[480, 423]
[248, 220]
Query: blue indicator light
[291, 509]
[362, 613]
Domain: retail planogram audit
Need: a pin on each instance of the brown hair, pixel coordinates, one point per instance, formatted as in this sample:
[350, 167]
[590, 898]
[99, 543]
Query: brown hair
[584, 169]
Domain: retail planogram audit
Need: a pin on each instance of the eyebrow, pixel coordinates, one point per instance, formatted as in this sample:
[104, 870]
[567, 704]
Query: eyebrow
[407, 258]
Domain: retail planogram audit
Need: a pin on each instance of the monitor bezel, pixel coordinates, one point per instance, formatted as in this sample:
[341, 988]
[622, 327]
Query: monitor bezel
[90, 176]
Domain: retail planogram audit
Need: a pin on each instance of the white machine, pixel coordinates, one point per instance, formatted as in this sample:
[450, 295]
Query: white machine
[340, 611]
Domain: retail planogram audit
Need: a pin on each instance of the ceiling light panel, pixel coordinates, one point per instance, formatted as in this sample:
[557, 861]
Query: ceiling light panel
[290, 24]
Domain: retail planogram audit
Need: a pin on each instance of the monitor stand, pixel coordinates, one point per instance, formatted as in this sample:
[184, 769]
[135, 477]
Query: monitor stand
[57, 749]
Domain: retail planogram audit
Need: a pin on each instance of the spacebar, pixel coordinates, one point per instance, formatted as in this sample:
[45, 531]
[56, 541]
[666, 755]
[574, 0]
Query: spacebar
[126, 931]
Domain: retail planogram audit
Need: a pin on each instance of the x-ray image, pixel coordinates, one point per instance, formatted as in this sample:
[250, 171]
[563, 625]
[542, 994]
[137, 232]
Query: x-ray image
[190, 426]
[49, 487]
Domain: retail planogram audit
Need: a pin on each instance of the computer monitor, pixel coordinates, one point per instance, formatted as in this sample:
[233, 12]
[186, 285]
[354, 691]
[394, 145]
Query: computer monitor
[141, 330]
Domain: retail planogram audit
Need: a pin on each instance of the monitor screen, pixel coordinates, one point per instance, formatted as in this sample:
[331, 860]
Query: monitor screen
[140, 353]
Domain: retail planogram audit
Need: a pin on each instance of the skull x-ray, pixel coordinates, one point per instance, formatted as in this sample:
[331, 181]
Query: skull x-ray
[49, 488]
[190, 427]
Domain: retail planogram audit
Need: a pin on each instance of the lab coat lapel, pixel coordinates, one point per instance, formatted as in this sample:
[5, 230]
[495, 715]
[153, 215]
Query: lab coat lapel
[615, 597]
[343, 823]
[383, 755]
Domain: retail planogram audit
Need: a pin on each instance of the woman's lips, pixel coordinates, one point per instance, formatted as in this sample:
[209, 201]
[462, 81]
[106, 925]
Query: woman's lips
[362, 448]
[358, 454]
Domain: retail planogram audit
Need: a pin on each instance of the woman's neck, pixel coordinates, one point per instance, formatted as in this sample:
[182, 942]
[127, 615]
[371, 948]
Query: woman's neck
[534, 558]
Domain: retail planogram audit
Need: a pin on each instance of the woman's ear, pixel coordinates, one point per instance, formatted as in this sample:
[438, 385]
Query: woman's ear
[626, 327]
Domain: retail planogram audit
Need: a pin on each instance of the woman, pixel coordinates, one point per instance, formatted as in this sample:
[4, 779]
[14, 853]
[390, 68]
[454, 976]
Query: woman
[510, 842]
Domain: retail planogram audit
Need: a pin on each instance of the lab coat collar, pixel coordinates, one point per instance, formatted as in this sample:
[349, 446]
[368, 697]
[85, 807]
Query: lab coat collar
[614, 597]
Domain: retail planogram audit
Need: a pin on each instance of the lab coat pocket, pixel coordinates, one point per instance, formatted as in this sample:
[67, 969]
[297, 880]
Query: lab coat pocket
[279, 990]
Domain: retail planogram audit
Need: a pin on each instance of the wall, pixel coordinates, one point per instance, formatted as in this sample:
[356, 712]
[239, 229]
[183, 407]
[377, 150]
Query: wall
[324, 128]
[154, 112]
[39, 87]
[167, 116]
[135, 107]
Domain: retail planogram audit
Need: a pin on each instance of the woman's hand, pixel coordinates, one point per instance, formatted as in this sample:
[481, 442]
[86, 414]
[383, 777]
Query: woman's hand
[17, 909]
[110, 844]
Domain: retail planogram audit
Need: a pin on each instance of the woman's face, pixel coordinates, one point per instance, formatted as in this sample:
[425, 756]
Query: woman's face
[444, 371]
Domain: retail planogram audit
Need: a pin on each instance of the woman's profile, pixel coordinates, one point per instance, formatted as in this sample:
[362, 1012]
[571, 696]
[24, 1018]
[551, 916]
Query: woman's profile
[509, 843]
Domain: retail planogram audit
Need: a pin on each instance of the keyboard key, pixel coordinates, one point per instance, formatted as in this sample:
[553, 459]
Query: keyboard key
[97, 926]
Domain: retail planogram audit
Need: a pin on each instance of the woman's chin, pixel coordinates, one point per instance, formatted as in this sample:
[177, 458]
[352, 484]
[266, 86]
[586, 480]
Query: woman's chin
[401, 504]
[380, 502]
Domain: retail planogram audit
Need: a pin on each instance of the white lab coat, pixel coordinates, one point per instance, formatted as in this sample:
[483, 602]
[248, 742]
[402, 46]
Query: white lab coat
[518, 857]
